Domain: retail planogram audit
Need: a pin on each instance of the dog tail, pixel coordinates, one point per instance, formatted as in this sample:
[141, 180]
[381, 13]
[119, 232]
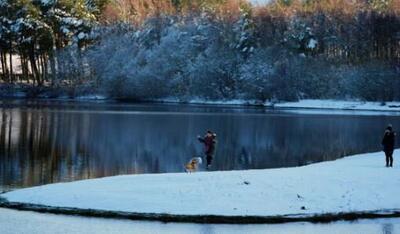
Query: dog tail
[199, 160]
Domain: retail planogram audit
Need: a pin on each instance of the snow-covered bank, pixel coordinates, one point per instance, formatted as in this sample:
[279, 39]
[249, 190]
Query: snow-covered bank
[310, 104]
[302, 104]
[355, 184]
[341, 105]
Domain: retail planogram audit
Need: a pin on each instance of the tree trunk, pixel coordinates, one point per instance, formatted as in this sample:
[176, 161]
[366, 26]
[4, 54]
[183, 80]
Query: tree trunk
[35, 71]
[25, 68]
[53, 68]
[11, 69]
[4, 64]
[42, 68]
[3, 67]
[45, 67]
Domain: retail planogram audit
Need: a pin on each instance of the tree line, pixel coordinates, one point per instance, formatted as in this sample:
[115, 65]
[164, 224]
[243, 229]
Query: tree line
[36, 30]
[211, 49]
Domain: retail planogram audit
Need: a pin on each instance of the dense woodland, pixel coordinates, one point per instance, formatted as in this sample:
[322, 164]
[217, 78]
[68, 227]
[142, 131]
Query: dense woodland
[203, 49]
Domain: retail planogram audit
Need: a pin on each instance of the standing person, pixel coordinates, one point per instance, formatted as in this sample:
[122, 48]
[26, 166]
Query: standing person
[388, 145]
[209, 141]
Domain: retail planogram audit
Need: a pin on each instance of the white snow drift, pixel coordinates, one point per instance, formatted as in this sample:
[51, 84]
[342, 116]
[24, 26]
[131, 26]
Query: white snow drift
[340, 105]
[357, 183]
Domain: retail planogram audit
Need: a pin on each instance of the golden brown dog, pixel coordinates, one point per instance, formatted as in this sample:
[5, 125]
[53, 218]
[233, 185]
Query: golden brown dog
[193, 164]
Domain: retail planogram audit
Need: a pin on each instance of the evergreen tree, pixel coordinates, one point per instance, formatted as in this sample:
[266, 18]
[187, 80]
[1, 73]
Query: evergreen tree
[244, 28]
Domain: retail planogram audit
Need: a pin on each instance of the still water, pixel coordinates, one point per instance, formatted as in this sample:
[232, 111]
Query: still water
[45, 142]
[22, 222]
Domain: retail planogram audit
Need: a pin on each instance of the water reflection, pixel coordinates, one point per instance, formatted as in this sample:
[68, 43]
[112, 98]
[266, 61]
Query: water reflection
[49, 142]
[21, 222]
[387, 228]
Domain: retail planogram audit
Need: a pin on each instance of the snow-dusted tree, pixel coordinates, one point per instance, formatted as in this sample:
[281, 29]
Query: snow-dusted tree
[380, 5]
[256, 76]
[373, 83]
[72, 23]
[7, 10]
[36, 28]
[300, 37]
[152, 30]
[112, 60]
[244, 28]
[33, 37]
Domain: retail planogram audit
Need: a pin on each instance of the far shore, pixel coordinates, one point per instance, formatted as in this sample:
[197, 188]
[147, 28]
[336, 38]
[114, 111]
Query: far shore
[305, 104]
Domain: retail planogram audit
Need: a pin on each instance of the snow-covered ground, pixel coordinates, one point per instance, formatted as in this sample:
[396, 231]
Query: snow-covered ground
[91, 97]
[302, 104]
[16, 64]
[357, 183]
[341, 105]
[310, 104]
[22, 222]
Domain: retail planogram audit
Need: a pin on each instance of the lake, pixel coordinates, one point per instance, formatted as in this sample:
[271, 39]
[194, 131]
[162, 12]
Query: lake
[45, 142]
[22, 222]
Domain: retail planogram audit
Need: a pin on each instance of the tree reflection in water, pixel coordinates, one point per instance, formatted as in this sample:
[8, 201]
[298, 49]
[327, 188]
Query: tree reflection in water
[42, 144]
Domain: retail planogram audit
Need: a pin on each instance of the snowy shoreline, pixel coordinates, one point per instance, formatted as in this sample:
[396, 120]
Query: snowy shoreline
[350, 188]
[341, 105]
[320, 104]
[310, 104]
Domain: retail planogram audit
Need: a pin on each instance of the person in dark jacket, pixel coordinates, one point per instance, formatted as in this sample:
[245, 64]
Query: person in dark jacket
[209, 141]
[388, 145]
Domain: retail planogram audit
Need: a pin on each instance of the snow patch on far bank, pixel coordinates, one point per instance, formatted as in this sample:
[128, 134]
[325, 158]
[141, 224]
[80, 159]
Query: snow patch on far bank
[202, 101]
[302, 104]
[92, 97]
[358, 183]
[341, 105]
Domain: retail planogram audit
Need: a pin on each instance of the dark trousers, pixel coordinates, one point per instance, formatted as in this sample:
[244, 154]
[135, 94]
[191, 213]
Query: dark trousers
[209, 159]
[389, 158]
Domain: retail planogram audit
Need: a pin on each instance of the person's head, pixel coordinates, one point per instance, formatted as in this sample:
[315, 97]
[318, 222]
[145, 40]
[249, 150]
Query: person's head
[389, 127]
[209, 132]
